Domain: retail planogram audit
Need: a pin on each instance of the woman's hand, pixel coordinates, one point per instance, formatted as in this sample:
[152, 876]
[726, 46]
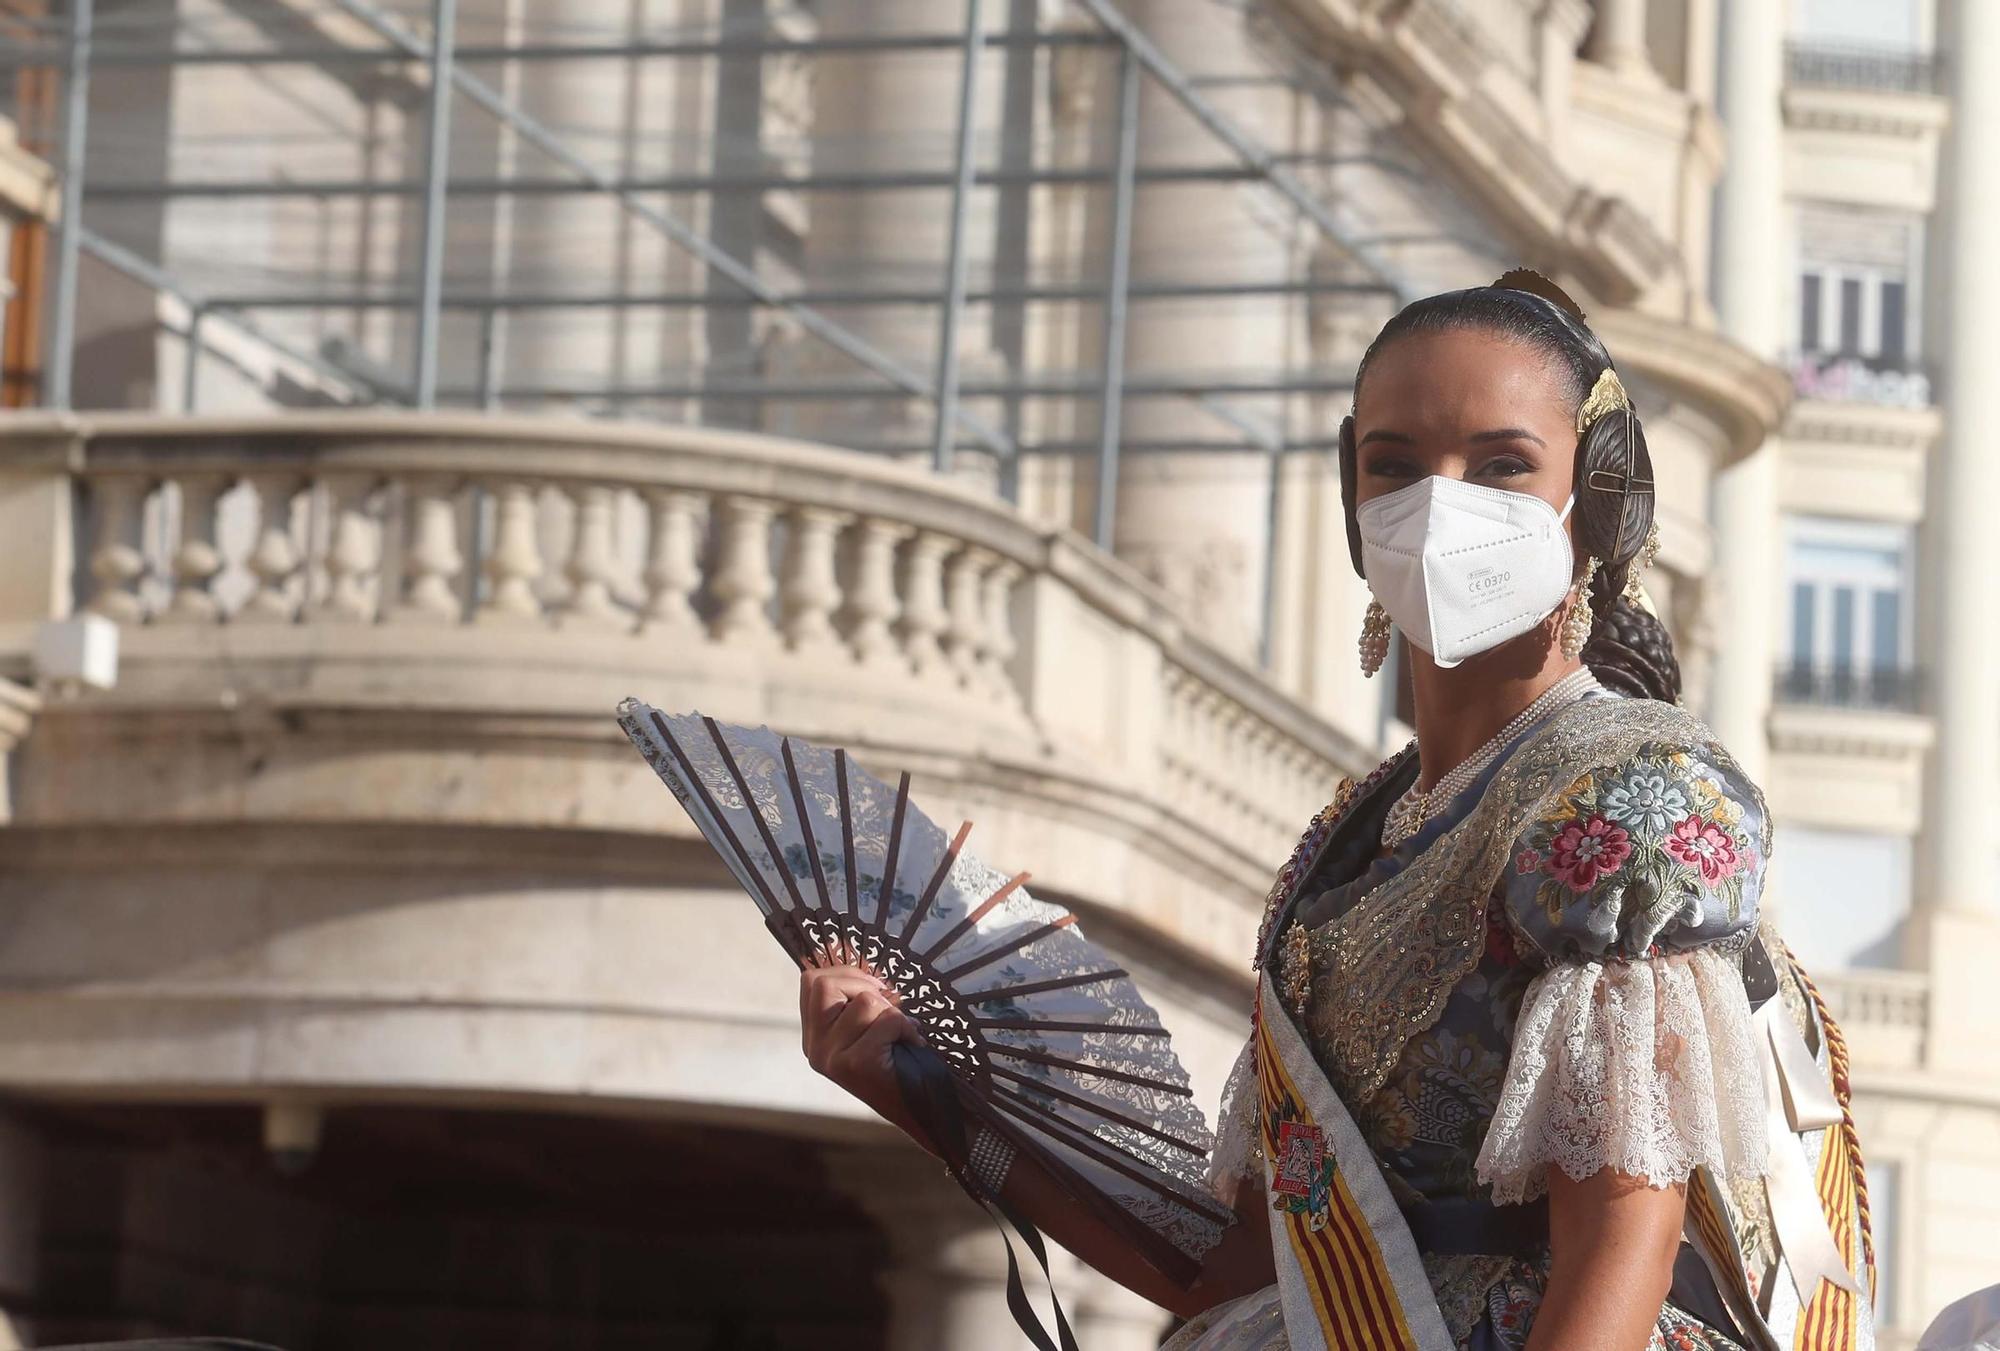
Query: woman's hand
[848, 1020]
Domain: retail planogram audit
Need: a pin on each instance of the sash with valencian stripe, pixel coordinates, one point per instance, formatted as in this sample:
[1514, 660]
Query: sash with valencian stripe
[1349, 1277]
[1833, 1319]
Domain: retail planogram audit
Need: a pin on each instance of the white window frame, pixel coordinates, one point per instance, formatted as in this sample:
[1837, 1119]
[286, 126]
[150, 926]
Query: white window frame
[1832, 272]
[1833, 533]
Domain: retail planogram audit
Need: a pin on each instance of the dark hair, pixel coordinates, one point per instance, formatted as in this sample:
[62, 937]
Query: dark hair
[1629, 649]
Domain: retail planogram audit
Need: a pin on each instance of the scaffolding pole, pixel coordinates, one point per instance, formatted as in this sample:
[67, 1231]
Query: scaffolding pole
[816, 181]
[1069, 292]
[61, 355]
[954, 266]
[122, 259]
[1063, 387]
[1223, 129]
[682, 234]
[1111, 403]
[437, 169]
[1271, 442]
[637, 49]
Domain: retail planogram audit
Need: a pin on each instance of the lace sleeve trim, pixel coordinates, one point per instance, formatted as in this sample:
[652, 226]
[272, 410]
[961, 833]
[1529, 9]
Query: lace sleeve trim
[1647, 1067]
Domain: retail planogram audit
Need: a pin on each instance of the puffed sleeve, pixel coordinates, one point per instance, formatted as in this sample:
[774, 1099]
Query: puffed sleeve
[1634, 895]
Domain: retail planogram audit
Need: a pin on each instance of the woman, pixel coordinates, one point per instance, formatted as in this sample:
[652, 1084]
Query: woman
[1505, 1054]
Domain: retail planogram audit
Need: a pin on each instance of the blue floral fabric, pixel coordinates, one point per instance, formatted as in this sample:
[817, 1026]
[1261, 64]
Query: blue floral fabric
[1662, 853]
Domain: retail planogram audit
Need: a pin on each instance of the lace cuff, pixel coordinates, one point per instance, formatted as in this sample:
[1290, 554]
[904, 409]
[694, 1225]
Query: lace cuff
[1237, 1154]
[1647, 1067]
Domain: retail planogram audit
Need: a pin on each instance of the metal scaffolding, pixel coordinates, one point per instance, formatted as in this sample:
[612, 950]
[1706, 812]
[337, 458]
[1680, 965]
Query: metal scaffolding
[438, 66]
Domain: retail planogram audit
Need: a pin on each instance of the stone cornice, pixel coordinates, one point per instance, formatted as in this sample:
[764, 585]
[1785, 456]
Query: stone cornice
[1745, 394]
[1866, 113]
[1871, 733]
[1414, 55]
[1864, 424]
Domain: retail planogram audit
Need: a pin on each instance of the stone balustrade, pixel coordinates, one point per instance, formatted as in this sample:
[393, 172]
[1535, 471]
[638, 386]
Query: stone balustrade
[387, 550]
[1885, 1014]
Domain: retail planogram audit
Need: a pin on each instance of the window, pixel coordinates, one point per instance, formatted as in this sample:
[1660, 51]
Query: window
[1846, 896]
[1849, 632]
[1885, 23]
[1856, 306]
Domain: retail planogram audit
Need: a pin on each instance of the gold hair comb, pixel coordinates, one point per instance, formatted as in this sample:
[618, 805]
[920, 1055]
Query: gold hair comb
[1606, 396]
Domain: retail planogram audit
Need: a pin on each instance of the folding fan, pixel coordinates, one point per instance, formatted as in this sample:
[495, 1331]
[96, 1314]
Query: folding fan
[1049, 1041]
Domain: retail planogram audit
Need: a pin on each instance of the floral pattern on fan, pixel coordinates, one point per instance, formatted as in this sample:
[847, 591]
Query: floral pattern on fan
[1049, 1038]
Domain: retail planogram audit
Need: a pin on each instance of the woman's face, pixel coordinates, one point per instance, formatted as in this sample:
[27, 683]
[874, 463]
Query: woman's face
[1466, 404]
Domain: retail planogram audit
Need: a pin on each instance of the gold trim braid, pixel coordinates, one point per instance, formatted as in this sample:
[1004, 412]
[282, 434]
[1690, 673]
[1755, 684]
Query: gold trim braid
[1380, 973]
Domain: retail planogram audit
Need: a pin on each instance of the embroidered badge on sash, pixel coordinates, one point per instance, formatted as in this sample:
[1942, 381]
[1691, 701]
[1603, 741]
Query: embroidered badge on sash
[1302, 1183]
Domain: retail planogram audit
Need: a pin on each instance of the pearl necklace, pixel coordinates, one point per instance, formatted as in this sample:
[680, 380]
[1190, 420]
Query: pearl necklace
[1408, 814]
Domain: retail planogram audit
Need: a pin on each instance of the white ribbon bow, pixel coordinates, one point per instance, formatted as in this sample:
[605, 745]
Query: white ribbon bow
[1797, 1098]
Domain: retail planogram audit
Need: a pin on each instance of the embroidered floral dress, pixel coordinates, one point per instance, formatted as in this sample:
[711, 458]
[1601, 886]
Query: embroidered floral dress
[1603, 1025]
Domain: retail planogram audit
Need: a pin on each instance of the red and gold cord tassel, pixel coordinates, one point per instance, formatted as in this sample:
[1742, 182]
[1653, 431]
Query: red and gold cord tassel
[1836, 1054]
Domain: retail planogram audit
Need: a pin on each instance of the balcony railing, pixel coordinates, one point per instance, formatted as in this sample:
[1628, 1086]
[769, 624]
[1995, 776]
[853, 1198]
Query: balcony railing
[1838, 377]
[1894, 689]
[1836, 65]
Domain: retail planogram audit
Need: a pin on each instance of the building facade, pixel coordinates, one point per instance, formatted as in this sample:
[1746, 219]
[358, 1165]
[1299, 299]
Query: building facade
[954, 383]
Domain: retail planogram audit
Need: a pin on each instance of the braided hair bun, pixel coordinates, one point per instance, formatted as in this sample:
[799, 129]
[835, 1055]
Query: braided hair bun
[1629, 651]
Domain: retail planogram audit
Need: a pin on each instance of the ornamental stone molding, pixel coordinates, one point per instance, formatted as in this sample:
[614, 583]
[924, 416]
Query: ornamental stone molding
[1858, 460]
[1865, 424]
[1876, 734]
[1421, 64]
[1849, 769]
[1867, 113]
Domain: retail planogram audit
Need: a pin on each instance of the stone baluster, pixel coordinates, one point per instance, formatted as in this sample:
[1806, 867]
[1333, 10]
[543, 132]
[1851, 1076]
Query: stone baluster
[197, 561]
[1299, 787]
[274, 559]
[871, 604]
[431, 559]
[1201, 751]
[965, 629]
[1177, 732]
[1235, 761]
[591, 569]
[812, 590]
[118, 558]
[743, 583]
[999, 647]
[673, 564]
[514, 563]
[1267, 791]
[923, 601]
[353, 550]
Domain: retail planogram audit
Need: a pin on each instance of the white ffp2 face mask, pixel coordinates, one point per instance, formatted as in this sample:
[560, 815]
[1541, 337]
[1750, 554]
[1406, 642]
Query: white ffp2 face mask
[1462, 568]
